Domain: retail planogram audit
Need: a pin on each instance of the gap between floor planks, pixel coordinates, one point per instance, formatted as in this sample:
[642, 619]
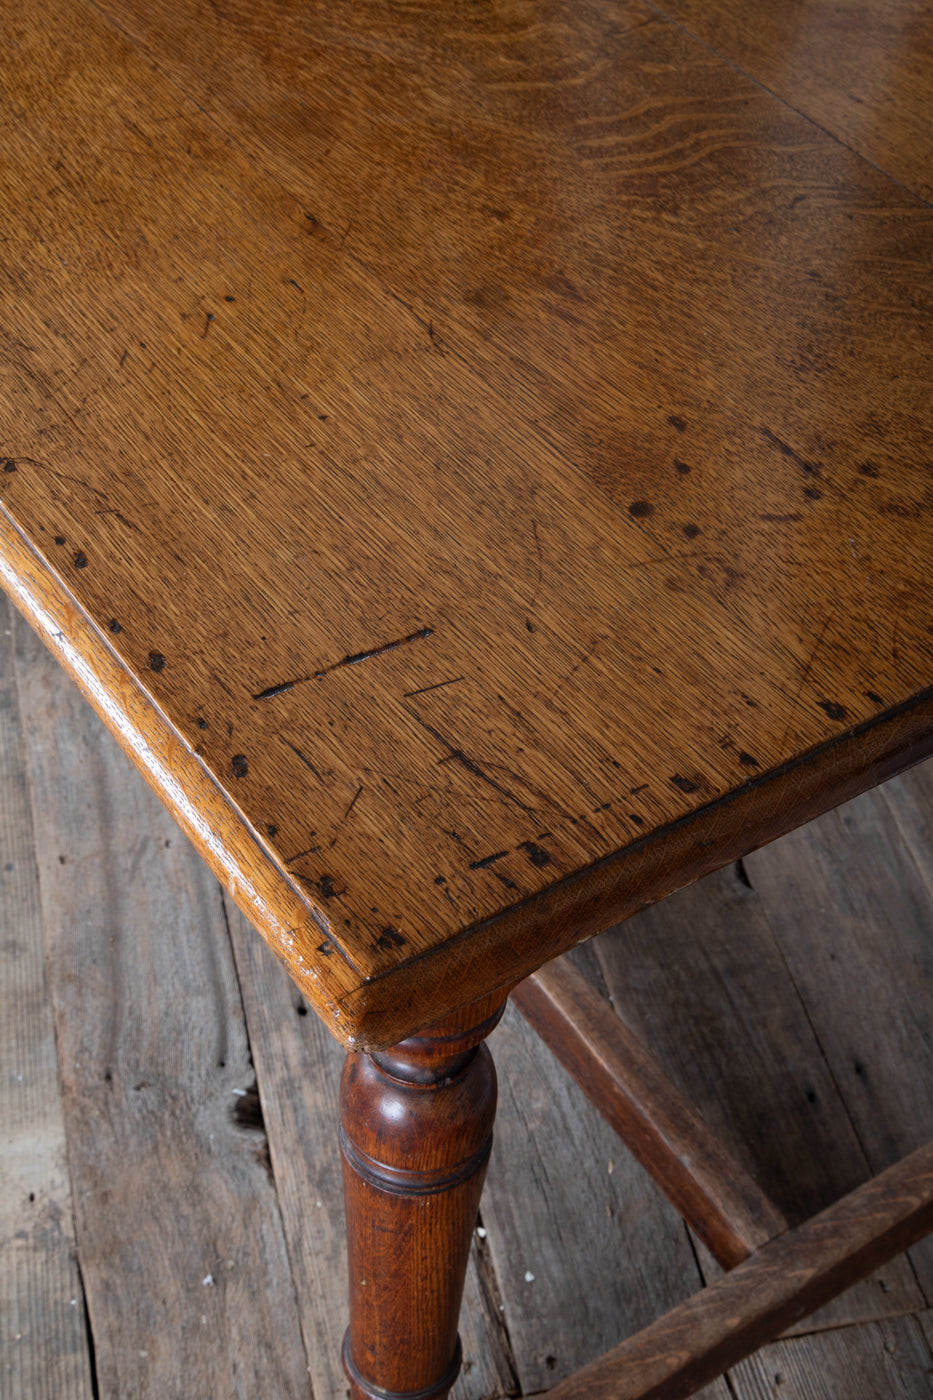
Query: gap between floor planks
[606, 1252]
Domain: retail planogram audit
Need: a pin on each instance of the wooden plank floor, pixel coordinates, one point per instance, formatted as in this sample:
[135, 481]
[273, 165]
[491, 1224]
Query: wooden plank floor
[170, 1214]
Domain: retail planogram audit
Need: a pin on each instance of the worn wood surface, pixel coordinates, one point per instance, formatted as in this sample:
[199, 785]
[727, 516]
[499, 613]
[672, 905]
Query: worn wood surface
[298, 1067]
[179, 1237]
[379, 489]
[44, 1350]
[416, 1127]
[858, 954]
[861, 71]
[889, 1360]
[705, 1184]
[777, 1285]
[597, 1276]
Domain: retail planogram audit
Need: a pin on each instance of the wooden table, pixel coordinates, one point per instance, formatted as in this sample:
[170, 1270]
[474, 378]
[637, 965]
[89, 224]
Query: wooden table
[477, 459]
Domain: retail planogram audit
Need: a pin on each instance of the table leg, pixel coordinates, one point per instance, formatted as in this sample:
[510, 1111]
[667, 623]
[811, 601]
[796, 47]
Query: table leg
[415, 1135]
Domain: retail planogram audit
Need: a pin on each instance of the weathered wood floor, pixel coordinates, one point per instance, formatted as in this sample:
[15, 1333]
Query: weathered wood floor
[170, 1217]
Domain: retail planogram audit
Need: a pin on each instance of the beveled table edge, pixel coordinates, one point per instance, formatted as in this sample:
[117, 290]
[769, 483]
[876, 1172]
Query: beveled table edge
[494, 953]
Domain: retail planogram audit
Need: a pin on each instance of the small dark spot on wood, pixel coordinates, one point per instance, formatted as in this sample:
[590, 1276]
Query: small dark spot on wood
[860, 1070]
[202, 723]
[301, 1009]
[328, 887]
[875, 699]
[9, 465]
[634, 817]
[529, 625]
[869, 469]
[63, 860]
[390, 938]
[156, 661]
[833, 709]
[312, 220]
[80, 560]
[59, 539]
[108, 1076]
[550, 1362]
[229, 298]
[812, 1096]
[536, 854]
[439, 880]
[325, 948]
[684, 784]
[691, 530]
[677, 422]
[487, 860]
[640, 510]
[239, 765]
[115, 626]
[32, 1197]
[643, 787]
[812, 494]
[748, 760]
[681, 467]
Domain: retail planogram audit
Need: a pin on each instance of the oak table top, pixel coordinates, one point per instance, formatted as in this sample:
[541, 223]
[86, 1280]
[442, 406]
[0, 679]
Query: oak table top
[476, 456]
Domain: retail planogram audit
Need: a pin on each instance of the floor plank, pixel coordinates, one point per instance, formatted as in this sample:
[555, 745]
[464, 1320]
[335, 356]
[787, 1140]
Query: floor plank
[858, 947]
[180, 1241]
[44, 1351]
[585, 1247]
[888, 1360]
[702, 980]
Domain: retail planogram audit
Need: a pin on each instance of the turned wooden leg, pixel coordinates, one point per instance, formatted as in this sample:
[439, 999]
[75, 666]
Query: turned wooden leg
[415, 1135]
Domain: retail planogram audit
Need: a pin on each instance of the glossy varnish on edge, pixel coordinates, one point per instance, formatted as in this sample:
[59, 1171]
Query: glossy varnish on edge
[435, 659]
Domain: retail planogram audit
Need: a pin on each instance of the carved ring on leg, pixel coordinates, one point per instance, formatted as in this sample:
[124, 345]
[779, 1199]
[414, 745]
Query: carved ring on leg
[416, 1132]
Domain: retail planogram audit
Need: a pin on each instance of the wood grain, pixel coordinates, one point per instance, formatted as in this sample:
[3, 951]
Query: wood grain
[779, 1284]
[44, 1353]
[860, 958]
[391, 506]
[416, 1127]
[703, 980]
[889, 1360]
[860, 70]
[298, 1067]
[704, 1183]
[606, 1253]
[181, 1245]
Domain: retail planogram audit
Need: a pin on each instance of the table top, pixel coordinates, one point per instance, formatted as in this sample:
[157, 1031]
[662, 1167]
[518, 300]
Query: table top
[476, 457]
